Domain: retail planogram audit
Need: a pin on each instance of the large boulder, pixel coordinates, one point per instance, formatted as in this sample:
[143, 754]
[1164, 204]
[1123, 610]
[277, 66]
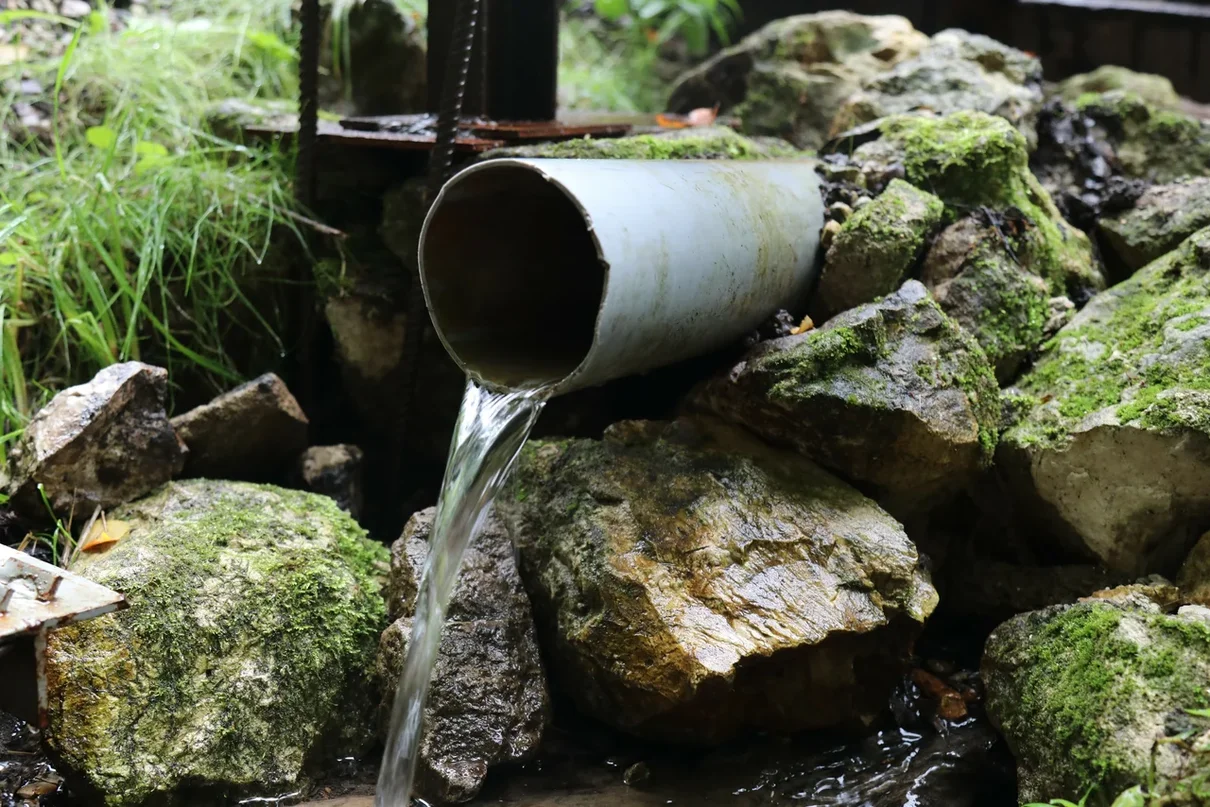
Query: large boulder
[97, 445]
[253, 432]
[1154, 89]
[893, 395]
[1163, 217]
[374, 60]
[878, 246]
[488, 702]
[957, 71]
[1114, 455]
[690, 583]
[791, 77]
[245, 658]
[1097, 695]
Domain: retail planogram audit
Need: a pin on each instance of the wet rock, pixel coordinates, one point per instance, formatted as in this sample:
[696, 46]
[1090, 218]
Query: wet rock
[1086, 695]
[488, 704]
[957, 71]
[706, 143]
[1194, 577]
[691, 583]
[335, 472]
[1163, 217]
[978, 280]
[877, 246]
[1155, 90]
[1114, 456]
[97, 444]
[1150, 593]
[894, 395]
[244, 659]
[385, 48]
[403, 212]
[230, 117]
[254, 432]
[978, 163]
[1145, 142]
[790, 78]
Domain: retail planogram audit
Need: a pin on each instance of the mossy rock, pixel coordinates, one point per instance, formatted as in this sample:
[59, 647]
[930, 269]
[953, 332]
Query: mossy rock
[245, 659]
[690, 583]
[1149, 143]
[1093, 696]
[713, 143]
[791, 77]
[1163, 217]
[958, 71]
[977, 280]
[893, 395]
[878, 246]
[1151, 88]
[974, 161]
[1115, 452]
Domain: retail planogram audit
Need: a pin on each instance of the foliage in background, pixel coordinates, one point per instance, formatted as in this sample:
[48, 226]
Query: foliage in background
[659, 21]
[129, 231]
[603, 68]
[340, 10]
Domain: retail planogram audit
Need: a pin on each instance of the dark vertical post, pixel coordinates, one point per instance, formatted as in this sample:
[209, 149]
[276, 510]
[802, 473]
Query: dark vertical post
[305, 188]
[523, 59]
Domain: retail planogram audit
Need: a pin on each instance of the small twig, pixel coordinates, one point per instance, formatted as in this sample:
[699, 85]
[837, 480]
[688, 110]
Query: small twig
[319, 227]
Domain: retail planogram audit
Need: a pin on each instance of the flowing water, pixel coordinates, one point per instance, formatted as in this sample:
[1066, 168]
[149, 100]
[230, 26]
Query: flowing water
[491, 429]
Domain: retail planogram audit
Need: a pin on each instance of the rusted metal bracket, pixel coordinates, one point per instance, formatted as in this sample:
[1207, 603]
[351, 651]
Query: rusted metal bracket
[36, 597]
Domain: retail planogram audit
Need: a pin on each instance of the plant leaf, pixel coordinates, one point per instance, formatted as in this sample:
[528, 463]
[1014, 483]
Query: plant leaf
[146, 148]
[101, 137]
[8, 259]
[611, 10]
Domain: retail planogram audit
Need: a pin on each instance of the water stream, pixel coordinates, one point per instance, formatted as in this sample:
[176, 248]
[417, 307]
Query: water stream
[491, 429]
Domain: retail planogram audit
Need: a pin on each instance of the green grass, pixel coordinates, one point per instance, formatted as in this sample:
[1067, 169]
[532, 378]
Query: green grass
[133, 232]
[605, 69]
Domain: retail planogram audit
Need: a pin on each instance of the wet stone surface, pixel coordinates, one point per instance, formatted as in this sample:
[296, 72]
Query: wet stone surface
[26, 776]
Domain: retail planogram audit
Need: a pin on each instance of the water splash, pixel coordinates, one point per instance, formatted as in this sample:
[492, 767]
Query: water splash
[492, 427]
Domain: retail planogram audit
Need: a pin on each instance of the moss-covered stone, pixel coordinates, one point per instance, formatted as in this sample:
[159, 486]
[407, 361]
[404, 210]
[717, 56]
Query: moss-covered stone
[246, 656]
[893, 394]
[1163, 217]
[1094, 696]
[958, 71]
[789, 78]
[1126, 379]
[973, 160]
[977, 280]
[1148, 143]
[878, 246]
[1155, 90]
[715, 143]
[690, 582]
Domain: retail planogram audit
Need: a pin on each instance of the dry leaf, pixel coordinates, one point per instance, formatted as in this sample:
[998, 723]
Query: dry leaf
[671, 122]
[103, 533]
[703, 116]
[806, 325]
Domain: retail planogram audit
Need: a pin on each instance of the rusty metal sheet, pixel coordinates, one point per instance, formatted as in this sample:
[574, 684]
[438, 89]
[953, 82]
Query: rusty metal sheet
[36, 596]
[334, 133]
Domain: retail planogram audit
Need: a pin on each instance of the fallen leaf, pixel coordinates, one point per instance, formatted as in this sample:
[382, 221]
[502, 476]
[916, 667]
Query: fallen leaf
[671, 121]
[104, 533]
[806, 325]
[950, 705]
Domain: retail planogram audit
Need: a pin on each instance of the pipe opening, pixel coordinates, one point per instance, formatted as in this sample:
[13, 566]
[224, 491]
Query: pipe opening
[513, 277]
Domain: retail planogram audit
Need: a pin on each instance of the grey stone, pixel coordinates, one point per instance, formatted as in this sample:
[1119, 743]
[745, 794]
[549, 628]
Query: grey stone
[97, 444]
[254, 432]
[488, 704]
[335, 472]
[1163, 217]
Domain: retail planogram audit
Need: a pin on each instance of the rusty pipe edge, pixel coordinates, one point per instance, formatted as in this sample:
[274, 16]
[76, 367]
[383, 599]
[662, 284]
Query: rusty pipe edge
[571, 273]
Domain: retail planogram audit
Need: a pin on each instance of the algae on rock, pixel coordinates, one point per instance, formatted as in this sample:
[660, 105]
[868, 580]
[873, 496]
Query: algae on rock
[878, 246]
[1148, 143]
[1151, 88]
[691, 583]
[711, 143]
[893, 395]
[246, 656]
[1163, 217]
[789, 78]
[1090, 695]
[1115, 453]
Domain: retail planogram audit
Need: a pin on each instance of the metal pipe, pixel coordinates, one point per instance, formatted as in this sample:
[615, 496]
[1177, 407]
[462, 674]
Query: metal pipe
[575, 272]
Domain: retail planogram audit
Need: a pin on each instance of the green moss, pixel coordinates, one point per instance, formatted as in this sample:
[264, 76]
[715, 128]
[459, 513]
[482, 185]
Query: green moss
[822, 355]
[1098, 360]
[718, 143]
[1082, 679]
[255, 611]
[971, 160]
